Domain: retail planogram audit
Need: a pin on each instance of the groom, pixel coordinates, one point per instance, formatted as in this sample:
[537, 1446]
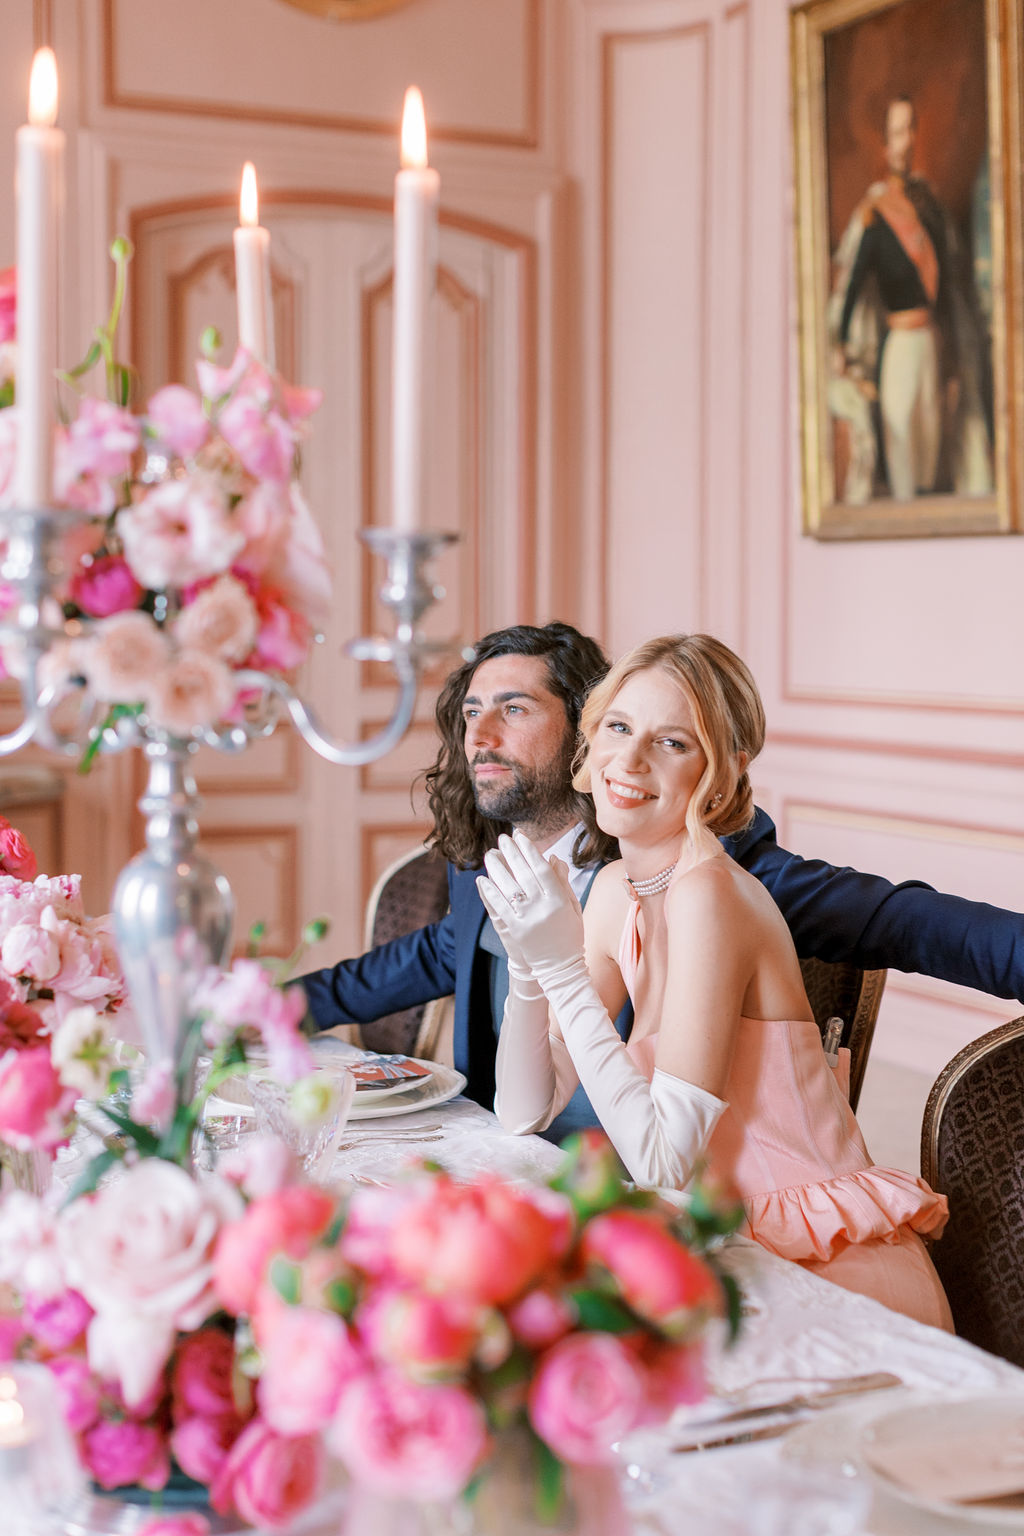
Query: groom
[508, 723]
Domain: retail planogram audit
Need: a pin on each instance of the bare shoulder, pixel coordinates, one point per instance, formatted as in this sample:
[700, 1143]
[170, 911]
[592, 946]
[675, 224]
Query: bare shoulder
[608, 896]
[718, 893]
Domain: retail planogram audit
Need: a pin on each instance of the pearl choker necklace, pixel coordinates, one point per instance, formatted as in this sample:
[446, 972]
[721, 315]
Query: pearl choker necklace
[656, 882]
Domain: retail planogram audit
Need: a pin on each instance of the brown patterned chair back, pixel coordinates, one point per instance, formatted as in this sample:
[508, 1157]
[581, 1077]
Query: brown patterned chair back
[411, 893]
[842, 991]
[972, 1151]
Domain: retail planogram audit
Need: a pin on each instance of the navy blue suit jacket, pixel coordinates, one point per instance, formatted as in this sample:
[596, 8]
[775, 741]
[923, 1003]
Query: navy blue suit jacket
[833, 914]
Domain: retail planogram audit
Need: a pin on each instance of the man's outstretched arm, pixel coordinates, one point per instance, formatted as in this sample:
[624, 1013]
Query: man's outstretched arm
[414, 968]
[840, 914]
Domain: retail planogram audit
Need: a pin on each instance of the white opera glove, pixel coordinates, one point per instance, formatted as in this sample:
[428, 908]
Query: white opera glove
[659, 1128]
[532, 906]
[534, 1076]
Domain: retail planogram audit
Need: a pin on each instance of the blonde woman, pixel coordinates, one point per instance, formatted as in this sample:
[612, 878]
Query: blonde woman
[724, 1065]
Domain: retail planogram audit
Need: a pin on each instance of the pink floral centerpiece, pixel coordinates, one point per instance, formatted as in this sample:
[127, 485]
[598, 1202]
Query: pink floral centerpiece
[197, 557]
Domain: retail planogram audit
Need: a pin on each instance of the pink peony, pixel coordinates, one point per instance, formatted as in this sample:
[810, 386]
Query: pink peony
[284, 635]
[487, 1241]
[269, 1478]
[57, 1322]
[16, 856]
[180, 532]
[34, 1104]
[202, 1375]
[8, 303]
[406, 1440]
[141, 1252]
[12, 1336]
[308, 1358]
[288, 1222]
[177, 420]
[220, 621]
[175, 1525]
[587, 1393]
[30, 950]
[193, 691]
[78, 1392]
[373, 1213]
[657, 1275]
[104, 587]
[121, 659]
[117, 1452]
[201, 1445]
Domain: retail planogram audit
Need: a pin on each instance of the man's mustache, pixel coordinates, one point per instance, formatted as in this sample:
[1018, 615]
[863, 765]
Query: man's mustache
[491, 757]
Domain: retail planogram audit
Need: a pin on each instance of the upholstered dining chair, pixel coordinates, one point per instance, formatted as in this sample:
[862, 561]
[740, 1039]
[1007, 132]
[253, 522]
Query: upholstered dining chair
[411, 892]
[839, 990]
[972, 1151]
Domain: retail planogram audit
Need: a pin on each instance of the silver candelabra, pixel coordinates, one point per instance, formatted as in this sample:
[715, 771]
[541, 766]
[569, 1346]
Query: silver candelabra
[173, 911]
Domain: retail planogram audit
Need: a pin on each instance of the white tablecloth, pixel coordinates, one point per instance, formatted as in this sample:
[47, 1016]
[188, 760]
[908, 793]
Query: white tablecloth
[797, 1330]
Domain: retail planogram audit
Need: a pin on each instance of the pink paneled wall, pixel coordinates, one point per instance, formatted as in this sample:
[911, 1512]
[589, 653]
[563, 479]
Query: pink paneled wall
[620, 429]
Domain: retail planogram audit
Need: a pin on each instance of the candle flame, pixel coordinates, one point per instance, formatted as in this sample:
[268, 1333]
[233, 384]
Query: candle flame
[414, 130]
[12, 1414]
[42, 89]
[249, 203]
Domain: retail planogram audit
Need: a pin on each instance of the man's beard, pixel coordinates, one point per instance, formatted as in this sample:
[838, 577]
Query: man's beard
[538, 798]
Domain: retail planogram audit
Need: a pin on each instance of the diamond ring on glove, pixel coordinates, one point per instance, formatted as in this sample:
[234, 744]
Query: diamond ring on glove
[517, 897]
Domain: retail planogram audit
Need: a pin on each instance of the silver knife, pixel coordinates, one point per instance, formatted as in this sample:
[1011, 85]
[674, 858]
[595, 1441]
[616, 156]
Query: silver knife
[850, 1386]
[740, 1437]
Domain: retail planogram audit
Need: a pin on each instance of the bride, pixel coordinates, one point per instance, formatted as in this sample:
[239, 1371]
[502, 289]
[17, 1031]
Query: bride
[724, 1067]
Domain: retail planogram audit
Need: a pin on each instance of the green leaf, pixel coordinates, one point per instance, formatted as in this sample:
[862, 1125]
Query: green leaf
[341, 1295]
[87, 364]
[733, 1305]
[550, 1483]
[601, 1313]
[90, 1177]
[146, 1140]
[286, 1278]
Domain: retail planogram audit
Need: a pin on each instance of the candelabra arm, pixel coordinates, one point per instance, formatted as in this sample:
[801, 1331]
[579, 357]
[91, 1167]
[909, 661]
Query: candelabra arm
[345, 754]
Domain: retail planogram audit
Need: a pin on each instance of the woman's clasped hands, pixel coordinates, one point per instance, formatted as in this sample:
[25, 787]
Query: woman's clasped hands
[533, 907]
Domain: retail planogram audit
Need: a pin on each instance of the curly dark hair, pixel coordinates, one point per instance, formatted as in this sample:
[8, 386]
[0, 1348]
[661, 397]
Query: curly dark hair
[574, 663]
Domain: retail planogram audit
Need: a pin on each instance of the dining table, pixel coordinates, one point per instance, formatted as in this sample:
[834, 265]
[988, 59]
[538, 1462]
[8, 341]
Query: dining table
[798, 1470]
[804, 1474]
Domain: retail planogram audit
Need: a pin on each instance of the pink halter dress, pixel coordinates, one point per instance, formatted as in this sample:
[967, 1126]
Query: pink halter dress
[789, 1145]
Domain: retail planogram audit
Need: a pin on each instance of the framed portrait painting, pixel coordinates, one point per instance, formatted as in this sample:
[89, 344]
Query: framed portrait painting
[907, 145]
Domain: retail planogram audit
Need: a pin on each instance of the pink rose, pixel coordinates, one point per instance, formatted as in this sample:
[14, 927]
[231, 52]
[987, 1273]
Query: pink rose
[288, 1222]
[34, 1104]
[106, 586]
[123, 1451]
[8, 303]
[57, 1322]
[407, 1440]
[260, 1166]
[78, 1392]
[220, 621]
[12, 1336]
[123, 656]
[372, 1216]
[487, 1241]
[141, 1252]
[431, 1338]
[193, 691]
[268, 1478]
[587, 1393]
[657, 1275]
[308, 1358]
[180, 532]
[202, 1375]
[540, 1317]
[177, 420]
[284, 636]
[201, 1446]
[16, 857]
[175, 1525]
[154, 1098]
[674, 1375]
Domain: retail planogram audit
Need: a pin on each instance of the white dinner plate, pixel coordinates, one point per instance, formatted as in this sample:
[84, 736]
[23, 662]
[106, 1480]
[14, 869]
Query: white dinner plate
[945, 1458]
[443, 1084]
[371, 1093]
[232, 1097]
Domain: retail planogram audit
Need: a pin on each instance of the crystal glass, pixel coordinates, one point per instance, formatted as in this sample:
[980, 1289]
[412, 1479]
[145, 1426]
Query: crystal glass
[39, 1468]
[313, 1136]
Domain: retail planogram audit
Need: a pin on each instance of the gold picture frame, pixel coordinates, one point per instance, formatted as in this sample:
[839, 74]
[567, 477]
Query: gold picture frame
[911, 345]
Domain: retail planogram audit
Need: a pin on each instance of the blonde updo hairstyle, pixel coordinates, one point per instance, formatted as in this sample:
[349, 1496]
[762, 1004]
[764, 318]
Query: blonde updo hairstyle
[728, 719]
